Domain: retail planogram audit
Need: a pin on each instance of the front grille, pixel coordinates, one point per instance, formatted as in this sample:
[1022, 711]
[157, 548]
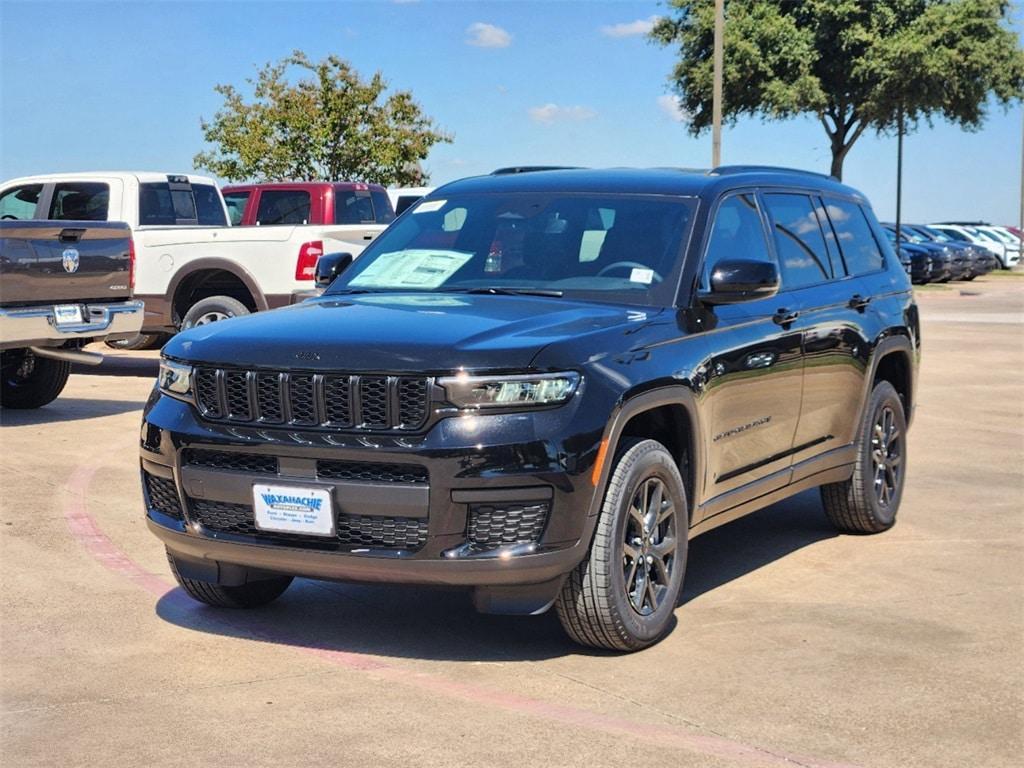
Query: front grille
[339, 401]
[404, 533]
[491, 526]
[368, 472]
[232, 462]
[163, 496]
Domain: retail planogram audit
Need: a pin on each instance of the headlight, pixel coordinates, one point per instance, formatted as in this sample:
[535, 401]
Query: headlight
[510, 391]
[174, 378]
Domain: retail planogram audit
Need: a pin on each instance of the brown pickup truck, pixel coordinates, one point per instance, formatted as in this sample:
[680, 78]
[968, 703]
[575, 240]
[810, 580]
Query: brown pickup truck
[63, 284]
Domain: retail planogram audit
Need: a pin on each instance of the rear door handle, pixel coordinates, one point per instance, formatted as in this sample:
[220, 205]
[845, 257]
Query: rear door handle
[785, 316]
[859, 302]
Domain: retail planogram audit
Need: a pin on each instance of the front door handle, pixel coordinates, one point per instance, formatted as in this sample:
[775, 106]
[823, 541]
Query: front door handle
[785, 316]
[859, 302]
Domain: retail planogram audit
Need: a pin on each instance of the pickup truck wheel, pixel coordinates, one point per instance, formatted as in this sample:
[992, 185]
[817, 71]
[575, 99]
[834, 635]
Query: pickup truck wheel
[623, 595]
[868, 502]
[140, 341]
[250, 595]
[211, 310]
[30, 381]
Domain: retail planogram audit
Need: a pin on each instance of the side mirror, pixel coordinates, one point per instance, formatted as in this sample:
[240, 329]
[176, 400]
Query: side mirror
[329, 266]
[737, 280]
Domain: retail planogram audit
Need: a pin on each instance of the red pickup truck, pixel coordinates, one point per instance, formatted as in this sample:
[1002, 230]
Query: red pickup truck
[323, 203]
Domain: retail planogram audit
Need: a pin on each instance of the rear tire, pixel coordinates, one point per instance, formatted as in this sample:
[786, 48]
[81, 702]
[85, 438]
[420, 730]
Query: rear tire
[213, 309]
[30, 381]
[250, 595]
[868, 501]
[140, 341]
[623, 595]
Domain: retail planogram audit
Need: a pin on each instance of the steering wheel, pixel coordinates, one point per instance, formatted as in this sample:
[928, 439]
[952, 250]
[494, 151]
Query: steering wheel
[9, 216]
[632, 264]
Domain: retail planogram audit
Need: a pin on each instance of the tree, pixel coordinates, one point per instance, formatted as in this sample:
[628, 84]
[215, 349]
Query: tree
[855, 64]
[333, 125]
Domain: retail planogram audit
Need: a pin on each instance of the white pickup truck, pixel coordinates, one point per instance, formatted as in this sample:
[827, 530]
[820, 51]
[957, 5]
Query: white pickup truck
[191, 267]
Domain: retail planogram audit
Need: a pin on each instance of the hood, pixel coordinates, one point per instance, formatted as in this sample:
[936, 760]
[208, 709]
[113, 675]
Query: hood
[429, 333]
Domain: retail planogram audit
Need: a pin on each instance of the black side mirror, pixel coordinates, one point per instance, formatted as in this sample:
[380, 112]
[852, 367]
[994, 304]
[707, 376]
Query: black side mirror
[738, 280]
[329, 266]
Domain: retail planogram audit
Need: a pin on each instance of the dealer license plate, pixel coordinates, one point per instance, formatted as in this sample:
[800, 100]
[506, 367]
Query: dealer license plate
[293, 509]
[68, 314]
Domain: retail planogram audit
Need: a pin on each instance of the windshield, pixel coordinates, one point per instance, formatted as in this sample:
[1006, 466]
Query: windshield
[612, 247]
[936, 234]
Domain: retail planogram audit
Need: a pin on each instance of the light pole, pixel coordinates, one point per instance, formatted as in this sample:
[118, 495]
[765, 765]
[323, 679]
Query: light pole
[899, 175]
[716, 94]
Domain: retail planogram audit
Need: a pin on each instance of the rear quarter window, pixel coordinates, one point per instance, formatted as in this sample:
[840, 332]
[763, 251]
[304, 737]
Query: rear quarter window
[19, 203]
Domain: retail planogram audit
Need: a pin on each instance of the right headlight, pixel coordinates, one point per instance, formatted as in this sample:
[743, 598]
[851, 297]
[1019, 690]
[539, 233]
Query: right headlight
[541, 389]
[174, 378]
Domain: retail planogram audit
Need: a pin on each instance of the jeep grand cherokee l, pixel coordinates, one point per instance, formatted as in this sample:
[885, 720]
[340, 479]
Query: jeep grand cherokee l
[541, 386]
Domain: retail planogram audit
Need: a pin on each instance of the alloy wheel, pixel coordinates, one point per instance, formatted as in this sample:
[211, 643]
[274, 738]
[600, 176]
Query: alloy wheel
[649, 546]
[886, 455]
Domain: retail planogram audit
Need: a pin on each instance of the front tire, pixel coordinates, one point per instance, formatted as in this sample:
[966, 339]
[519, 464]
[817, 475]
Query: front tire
[250, 595]
[868, 501]
[30, 381]
[212, 310]
[623, 595]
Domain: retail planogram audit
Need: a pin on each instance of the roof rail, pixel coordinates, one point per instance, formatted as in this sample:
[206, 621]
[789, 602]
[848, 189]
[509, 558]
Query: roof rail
[966, 223]
[726, 170]
[532, 168]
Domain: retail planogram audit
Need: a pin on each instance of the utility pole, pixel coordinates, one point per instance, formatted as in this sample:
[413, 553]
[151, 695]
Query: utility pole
[1020, 218]
[716, 97]
[899, 175]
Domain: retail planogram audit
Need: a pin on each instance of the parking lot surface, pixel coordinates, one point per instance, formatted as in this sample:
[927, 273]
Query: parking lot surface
[793, 646]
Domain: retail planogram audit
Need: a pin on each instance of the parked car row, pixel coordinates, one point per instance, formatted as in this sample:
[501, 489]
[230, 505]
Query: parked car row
[935, 257]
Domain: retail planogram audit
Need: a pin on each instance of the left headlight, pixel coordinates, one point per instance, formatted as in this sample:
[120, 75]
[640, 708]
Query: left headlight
[510, 391]
[174, 378]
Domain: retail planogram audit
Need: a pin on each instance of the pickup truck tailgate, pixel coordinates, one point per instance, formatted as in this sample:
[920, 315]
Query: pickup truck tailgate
[47, 262]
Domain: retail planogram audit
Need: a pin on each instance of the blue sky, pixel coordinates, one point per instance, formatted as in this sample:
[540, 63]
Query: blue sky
[122, 86]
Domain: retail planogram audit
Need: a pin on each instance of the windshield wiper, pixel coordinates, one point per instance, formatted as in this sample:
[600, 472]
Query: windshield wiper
[494, 291]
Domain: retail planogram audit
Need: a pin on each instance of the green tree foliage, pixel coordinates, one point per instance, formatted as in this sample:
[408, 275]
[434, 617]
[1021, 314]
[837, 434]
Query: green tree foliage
[328, 125]
[855, 64]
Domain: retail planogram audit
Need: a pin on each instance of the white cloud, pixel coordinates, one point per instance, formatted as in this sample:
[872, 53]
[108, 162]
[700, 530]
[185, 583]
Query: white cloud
[550, 113]
[673, 109]
[487, 36]
[630, 28]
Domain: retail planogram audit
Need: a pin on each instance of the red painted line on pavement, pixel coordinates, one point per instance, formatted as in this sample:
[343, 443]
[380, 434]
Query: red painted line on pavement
[86, 531]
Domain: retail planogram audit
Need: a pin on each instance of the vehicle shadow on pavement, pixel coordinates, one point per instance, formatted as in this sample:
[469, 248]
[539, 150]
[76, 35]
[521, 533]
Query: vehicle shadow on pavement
[121, 365]
[440, 624]
[68, 409]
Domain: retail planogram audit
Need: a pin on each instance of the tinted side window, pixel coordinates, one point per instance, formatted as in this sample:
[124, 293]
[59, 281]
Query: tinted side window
[81, 201]
[235, 202]
[284, 206]
[209, 211]
[383, 213]
[803, 258]
[856, 241]
[20, 202]
[736, 233]
[351, 207]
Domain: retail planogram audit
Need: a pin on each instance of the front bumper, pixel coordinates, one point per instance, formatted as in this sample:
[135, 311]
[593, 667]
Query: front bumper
[37, 325]
[477, 468]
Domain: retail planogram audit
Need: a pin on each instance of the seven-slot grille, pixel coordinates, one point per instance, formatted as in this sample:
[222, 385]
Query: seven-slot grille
[339, 401]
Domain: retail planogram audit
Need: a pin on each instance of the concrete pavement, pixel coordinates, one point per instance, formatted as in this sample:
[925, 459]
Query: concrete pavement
[794, 646]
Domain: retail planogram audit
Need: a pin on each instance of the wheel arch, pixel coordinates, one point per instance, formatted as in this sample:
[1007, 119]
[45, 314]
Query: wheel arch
[893, 361]
[230, 279]
[666, 414]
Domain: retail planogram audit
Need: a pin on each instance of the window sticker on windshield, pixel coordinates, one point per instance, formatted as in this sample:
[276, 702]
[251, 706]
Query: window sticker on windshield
[429, 206]
[645, 276]
[413, 268]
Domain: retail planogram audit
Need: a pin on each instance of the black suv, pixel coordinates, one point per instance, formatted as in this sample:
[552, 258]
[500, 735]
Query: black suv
[540, 386]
